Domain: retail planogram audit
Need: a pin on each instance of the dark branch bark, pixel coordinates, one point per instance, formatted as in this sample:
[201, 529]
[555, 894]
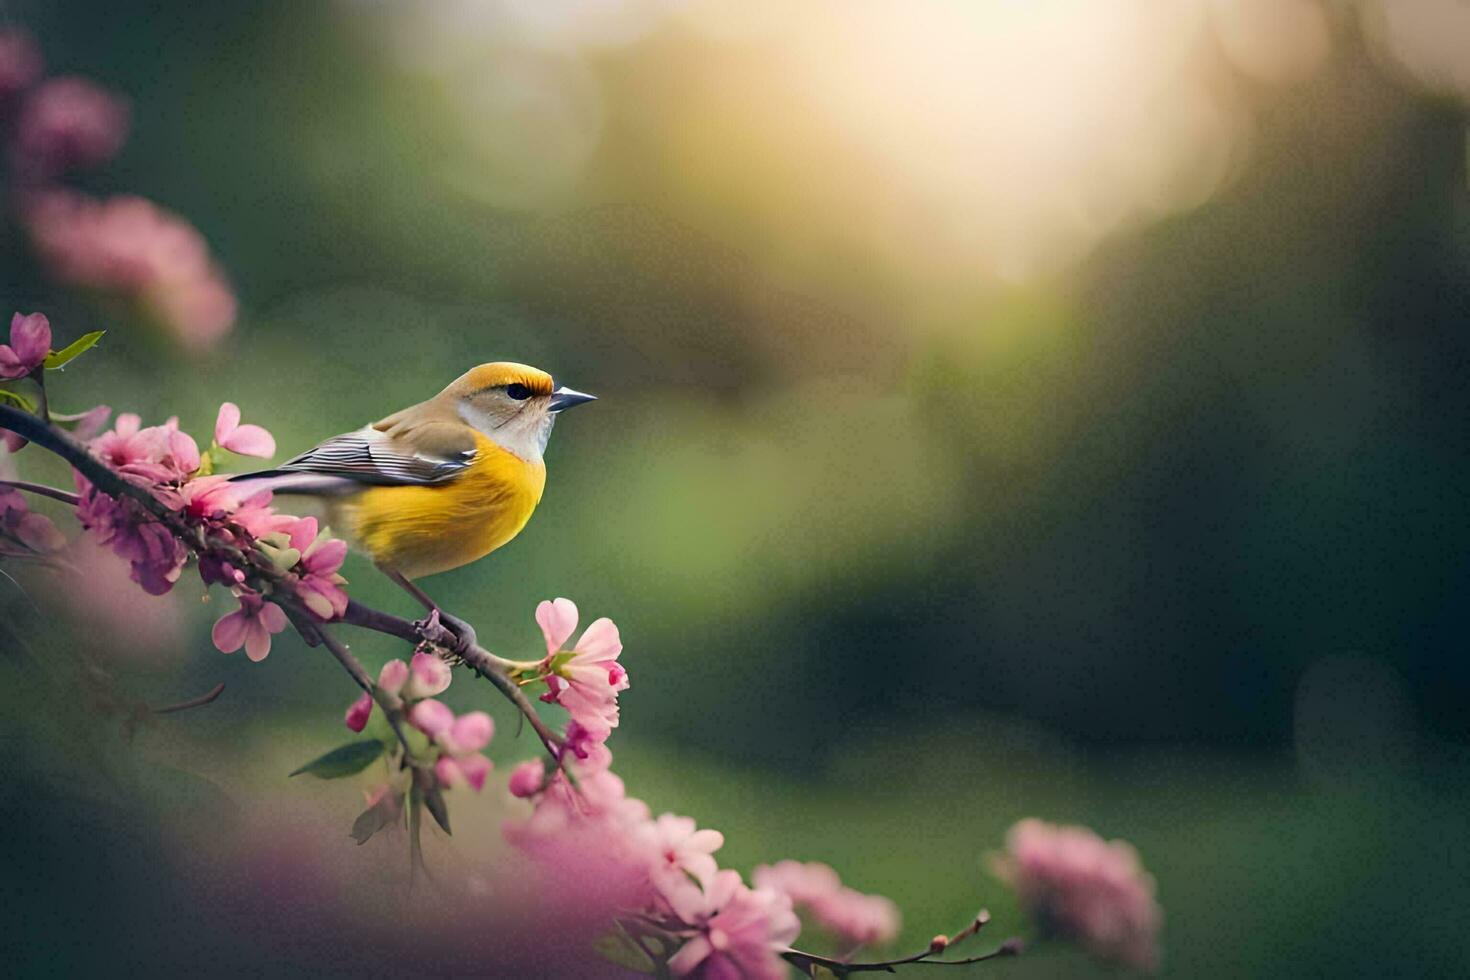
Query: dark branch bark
[40, 489]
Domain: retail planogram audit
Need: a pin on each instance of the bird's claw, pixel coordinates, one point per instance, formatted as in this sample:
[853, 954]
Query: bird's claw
[464, 634]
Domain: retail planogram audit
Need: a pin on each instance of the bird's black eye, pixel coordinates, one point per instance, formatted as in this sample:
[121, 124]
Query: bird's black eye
[518, 391]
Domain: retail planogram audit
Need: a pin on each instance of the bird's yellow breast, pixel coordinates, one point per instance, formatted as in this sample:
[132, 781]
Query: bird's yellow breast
[423, 530]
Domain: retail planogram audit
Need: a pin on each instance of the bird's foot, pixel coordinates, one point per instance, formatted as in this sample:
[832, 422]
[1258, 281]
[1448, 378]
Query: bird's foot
[437, 620]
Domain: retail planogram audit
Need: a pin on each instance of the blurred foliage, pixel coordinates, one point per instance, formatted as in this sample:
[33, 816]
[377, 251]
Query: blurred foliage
[900, 553]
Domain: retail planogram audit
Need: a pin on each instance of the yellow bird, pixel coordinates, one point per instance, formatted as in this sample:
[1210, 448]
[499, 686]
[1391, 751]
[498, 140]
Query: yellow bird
[442, 483]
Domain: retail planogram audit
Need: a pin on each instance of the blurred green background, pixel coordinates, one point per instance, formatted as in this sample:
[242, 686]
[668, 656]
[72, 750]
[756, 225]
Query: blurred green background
[1007, 410]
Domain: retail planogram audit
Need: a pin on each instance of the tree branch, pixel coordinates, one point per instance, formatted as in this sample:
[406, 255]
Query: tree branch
[196, 702]
[40, 489]
[475, 657]
[108, 481]
[807, 962]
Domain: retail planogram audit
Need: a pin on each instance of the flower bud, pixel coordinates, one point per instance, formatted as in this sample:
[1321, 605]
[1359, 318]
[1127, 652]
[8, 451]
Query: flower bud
[526, 778]
[428, 676]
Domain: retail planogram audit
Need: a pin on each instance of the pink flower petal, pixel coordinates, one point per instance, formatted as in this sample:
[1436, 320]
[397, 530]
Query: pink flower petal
[428, 676]
[526, 778]
[257, 641]
[184, 450]
[359, 712]
[393, 676]
[557, 619]
[689, 956]
[448, 772]
[471, 732]
[226, 422]
[475, 768]
[229, 632]
[601, 641]
[250, 440]
[431, 717]
[38, 533]
[303, 533]
[30, 338]
[273, 617]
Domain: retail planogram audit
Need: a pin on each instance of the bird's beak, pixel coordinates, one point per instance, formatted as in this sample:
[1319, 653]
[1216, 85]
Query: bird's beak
[564, 398]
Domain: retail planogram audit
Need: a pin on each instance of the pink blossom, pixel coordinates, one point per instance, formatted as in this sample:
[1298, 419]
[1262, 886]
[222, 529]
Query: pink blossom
[67, 123]
[23, 532]
[20, 62]
[739, 932]
[91, 422]
[428, 676]
[854, 918]
[319, 587]
[155, 555]
[359, 711]
[243, 440]
[1085, 888]
[152, 455]
[585, 843]
[249, 626]
[587, 681]
[12, 441]
[460, 741]
[464, 770]
[590, 751]
[135, 249]
[210, 497]
[679, 854]
[393, 676]
[527, 777]
[30, 342]
[390, 679]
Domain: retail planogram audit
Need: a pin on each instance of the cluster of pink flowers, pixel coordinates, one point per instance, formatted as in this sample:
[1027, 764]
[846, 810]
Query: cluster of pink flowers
[124, 246]
[853, 918]
[1081, 887]
[66, 124]
[231, 519]
[459, 741]
[585, 680]
[593, 841]
[130, 247]
[20, 63]
[23, 532]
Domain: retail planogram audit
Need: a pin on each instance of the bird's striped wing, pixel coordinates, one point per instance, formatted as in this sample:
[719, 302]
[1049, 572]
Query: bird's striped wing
[369, 456]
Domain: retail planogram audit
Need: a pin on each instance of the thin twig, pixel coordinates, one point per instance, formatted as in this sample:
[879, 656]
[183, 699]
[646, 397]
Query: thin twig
[805, 961]
[40, 489]
[198, 702]
[392, 707]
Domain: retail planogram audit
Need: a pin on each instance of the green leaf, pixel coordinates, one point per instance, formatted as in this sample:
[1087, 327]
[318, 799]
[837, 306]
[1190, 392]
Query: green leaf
[344, 760]
[434, 800]
[15, 398]
[60, 358]
[619, 948]
[384, 813]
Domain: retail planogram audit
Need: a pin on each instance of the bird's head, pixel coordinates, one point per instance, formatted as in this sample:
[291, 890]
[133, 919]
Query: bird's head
[513, 404]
